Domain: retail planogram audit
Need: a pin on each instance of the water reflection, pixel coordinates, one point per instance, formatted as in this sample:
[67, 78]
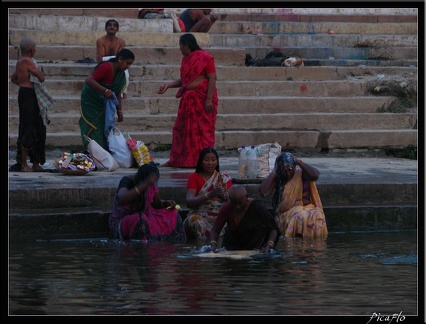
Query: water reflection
[348, 274]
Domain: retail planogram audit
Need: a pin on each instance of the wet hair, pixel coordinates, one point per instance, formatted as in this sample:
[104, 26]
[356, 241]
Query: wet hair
[237, 191]
[112, 20]
[203, 152]
[145, 170]
[189, 40]
[283, 159]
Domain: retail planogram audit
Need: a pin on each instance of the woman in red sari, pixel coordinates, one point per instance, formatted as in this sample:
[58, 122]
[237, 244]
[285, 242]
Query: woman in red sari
[195, 123]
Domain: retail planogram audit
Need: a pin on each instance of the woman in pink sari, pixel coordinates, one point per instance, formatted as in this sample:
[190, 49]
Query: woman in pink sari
[139, 212]
[195, 123]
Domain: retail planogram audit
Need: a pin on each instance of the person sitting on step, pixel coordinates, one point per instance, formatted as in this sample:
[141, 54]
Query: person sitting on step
[296, 202]
[206, 191]
[197, 20]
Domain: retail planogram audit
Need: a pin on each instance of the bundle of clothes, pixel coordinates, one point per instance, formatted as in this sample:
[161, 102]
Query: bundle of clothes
[274, 58]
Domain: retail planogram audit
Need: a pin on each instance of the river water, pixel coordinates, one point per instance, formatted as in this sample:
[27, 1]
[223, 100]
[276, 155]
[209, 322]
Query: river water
[346, 274]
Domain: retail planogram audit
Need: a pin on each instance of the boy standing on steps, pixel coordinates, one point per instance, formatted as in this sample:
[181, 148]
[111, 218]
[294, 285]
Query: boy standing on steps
[32, 122]
[109, 45]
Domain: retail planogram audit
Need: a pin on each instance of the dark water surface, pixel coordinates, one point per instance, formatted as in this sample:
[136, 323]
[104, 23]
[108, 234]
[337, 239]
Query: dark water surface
[346, 274]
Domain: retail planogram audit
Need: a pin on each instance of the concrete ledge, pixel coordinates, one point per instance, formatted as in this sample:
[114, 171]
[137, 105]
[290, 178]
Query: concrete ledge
[358, 193]
[254, 122]
[298, 139]
[342, 219]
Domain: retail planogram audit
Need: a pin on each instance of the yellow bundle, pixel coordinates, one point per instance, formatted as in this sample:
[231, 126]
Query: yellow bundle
[140, 151]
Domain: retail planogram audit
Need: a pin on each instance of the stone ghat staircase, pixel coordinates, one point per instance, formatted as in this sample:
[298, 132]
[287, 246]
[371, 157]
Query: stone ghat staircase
[359, 71]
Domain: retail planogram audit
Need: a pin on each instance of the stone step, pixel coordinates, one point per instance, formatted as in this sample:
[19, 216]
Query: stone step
[231, 105]
[292, 16]
[128, 25]
[305, 46]
[145, 55]
[360, 15]
[368, 185]
[369, 139]
[248, 92]
[101, 198]
[329, 88]
[66, 122]
[89, 220]
[139, 72]
[285, 41]
[327, 28]
[395, 56]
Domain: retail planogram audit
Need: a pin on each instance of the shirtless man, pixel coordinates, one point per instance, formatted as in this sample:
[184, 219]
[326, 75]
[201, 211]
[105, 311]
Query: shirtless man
[198, 20]
[32, 131]
[109, 45]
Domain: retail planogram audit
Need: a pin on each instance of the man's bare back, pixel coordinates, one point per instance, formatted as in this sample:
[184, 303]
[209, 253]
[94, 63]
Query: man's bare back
[24, 66]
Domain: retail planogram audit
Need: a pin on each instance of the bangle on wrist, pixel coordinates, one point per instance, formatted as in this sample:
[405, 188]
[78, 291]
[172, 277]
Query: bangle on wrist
[270, 243]
[211, 242]
[106, 90]
[137, 190]
[205, 195]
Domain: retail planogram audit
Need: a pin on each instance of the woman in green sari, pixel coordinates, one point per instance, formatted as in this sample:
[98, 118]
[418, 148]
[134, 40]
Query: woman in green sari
[103, 87]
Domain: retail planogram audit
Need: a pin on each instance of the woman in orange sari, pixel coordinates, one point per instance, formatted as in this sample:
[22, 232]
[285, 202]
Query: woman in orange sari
[195, 123]
[297, 204]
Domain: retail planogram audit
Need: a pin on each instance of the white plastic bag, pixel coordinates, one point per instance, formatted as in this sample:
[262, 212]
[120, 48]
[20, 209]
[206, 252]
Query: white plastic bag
[119, 149]
[103, 159]
[266, 156]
